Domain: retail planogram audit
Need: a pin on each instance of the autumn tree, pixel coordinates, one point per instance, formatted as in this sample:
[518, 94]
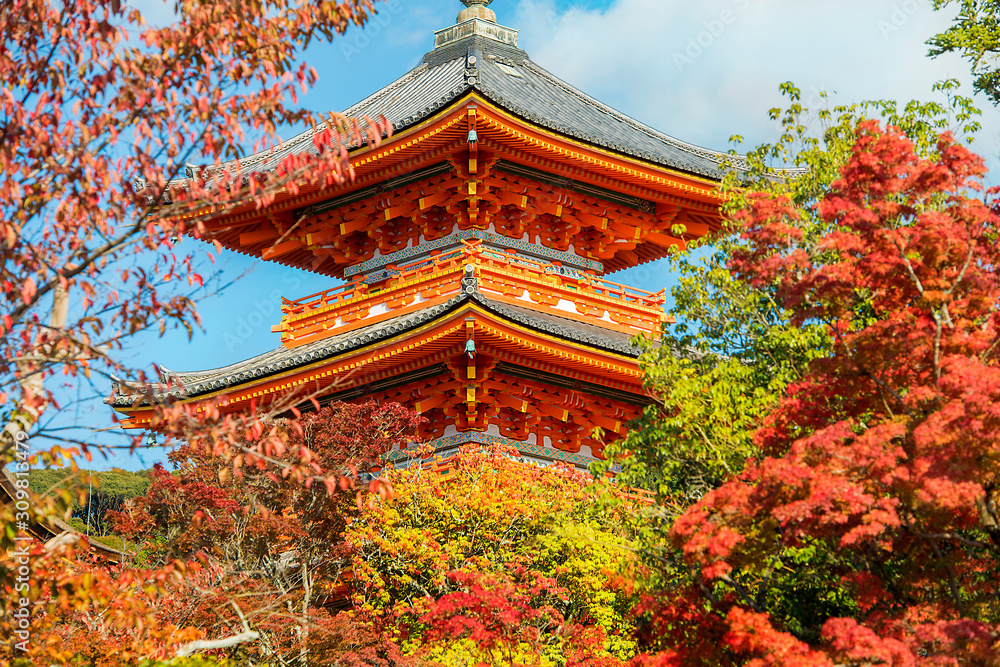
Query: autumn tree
[489, 560]
[482, 558]
[114, 134]
[275, 547]
[116, 138]
[735, 348]
[864, 530]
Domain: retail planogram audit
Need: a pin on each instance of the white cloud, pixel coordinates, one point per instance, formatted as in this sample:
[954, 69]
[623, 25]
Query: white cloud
[703, 71]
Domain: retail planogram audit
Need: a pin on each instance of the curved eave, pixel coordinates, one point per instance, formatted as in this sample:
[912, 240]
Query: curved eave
[316, 366]
[436, 137]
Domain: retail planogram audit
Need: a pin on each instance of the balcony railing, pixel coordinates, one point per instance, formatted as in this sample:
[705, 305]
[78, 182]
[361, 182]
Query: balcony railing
[500, 272]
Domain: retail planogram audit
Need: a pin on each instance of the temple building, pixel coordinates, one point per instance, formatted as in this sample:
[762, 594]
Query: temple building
[469, 257]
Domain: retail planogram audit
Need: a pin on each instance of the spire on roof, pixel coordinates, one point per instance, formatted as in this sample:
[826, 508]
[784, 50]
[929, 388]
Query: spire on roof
[475, 19]
[477, 9]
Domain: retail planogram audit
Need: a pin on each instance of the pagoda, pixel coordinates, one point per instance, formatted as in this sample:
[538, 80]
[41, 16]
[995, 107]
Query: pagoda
[471, 253]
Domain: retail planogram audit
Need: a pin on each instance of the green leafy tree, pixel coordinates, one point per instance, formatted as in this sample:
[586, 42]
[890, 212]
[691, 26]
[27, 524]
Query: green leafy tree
[93, 494]
[975, 34]
[735, 349]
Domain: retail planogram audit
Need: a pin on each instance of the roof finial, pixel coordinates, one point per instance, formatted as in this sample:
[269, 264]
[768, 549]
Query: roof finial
[477, 9]
[476, 20]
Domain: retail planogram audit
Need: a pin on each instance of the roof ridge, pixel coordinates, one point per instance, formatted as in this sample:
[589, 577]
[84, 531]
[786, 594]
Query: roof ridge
[287, 147]
[380, 94]
[284, 148]
[593, 338]
[285, 359]
[212, 371]
[717, 156]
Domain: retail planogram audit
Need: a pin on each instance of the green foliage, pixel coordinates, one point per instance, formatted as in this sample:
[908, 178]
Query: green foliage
[88, 495]
[115, 542]
[870, 524]
[114, 483]
[191, 661]
[734, 349]
[975, 33]
[723, 369]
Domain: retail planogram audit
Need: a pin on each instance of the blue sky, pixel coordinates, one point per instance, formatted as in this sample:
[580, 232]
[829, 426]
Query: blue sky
[700, 71]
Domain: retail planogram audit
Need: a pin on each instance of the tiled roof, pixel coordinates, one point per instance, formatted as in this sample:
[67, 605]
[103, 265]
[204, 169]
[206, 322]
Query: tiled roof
[506, 75]
[282, 359]
[581, 332]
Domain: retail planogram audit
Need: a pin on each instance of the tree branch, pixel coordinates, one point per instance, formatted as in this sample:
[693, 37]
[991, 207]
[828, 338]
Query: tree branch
[210, 644]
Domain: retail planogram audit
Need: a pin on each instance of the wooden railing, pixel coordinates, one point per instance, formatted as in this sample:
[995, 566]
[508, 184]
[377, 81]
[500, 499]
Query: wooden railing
[360, 288]
[490, 257]
[573, 279]
[504, 274]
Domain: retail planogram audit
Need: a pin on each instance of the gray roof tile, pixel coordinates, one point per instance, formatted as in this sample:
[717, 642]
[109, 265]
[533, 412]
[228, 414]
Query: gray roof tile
[536, 95]
[282, 359]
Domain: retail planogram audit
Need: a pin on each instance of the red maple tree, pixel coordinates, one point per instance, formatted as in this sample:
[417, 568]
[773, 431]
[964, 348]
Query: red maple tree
[880, 470]
[116, 138]
[273, 545]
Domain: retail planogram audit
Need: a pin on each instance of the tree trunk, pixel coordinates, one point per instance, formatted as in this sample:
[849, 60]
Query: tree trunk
[304, 628]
